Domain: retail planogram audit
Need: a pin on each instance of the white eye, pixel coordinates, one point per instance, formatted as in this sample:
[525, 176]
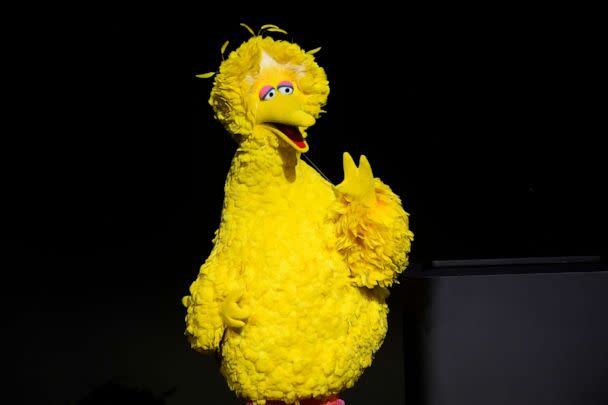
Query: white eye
[286, 89]
[270, 94]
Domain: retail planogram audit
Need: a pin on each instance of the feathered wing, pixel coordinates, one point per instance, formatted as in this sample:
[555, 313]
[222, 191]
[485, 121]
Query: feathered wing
[373, 234]
[205, 323]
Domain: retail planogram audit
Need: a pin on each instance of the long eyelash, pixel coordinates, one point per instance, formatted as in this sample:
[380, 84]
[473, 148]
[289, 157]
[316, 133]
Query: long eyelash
[263, 96]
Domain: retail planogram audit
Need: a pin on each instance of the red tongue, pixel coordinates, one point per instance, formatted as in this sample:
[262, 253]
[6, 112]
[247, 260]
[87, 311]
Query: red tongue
[292, 133]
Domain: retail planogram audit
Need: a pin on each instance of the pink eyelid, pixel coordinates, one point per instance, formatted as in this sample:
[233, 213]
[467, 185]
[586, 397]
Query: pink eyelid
[286, 84]
[264, 90]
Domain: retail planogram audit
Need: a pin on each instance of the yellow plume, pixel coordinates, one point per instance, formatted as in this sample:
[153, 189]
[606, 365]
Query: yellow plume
[205, 75]
[263, 27]
[248, 28]
[223, 49]
[277, 30]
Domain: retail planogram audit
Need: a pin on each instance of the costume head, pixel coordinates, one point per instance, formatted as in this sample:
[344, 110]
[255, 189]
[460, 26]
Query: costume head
[269, 85]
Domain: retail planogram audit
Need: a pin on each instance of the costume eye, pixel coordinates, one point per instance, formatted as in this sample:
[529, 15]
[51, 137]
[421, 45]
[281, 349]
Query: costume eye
[267, 93]
[285, 87]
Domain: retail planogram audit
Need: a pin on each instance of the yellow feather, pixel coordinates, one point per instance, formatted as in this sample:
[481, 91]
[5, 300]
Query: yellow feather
[263, 27]
[313, 51]
[224, 47]
[205, 75]
[277, 30]
[247, 28]
[355, 249]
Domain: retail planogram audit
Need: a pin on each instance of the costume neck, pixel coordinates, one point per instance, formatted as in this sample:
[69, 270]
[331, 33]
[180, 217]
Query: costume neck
[265, 160]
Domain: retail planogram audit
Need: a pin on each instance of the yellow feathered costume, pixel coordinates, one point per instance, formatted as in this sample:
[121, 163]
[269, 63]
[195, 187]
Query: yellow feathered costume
[293, 293]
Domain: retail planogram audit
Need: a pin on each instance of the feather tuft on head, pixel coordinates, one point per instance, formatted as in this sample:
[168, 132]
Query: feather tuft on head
[248, 28]
[206, 75]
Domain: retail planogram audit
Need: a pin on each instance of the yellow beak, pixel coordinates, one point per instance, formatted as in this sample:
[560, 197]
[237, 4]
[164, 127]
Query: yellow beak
[284, 116]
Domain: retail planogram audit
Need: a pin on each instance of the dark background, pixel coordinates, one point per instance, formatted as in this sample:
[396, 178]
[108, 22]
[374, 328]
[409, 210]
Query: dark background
[487, 122]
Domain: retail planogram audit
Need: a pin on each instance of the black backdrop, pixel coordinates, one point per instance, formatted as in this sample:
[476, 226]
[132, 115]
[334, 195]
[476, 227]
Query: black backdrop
[488, 123]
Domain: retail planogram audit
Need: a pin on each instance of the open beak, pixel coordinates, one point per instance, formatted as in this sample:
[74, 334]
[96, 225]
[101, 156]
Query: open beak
[293, 135]
[284, 117]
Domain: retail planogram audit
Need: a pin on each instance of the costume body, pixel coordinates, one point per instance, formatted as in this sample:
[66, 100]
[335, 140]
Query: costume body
[293, 293]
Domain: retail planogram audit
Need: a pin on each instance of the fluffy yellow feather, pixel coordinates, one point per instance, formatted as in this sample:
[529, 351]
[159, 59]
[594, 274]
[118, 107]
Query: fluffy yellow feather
[293, 293]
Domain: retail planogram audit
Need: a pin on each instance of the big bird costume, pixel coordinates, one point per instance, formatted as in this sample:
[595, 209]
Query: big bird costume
[293, 293]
